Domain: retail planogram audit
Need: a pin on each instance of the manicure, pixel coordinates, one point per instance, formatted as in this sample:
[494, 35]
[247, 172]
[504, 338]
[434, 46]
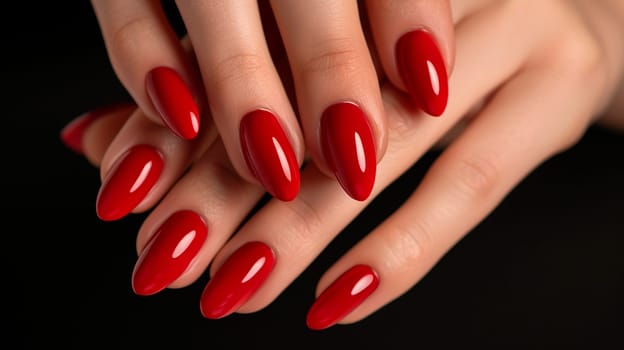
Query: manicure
[73, 133]
[169, 252]
[128, 181]
[342, 297]
[269, 155]
[423, 71]
[173, 101]
[349, 148]
[237, 280]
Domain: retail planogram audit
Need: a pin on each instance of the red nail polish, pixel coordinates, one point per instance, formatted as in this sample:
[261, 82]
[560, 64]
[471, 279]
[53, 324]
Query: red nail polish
[237, 279]
[423, 71]
[269, 155]
[349, 149]
[173, 101]
[342, 296]
[128, 181]
[73, 132]
[169, 252]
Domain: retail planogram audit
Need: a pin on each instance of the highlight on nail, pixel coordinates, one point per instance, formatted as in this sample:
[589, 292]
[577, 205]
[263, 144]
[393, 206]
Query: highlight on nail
[423, 71]
[240, 276]
[169, 252]
[348, 147]
[173, 101]
[128, 182]
[339, 299]
[269, 154]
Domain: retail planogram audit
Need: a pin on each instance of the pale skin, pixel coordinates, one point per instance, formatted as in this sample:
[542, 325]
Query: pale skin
[540, 73]
[327, 49]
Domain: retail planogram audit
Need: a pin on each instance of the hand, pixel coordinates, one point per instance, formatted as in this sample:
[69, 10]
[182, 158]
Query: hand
[530, 94]
[336, 82]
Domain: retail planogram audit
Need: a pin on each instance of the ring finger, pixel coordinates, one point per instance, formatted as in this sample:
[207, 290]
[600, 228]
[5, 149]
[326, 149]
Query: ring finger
[248, 102]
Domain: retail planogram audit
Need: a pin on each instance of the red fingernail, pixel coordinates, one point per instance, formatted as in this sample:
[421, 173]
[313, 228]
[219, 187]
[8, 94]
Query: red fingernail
[422, 69]
[237, 279]
[173, 101]
[73, 132]
[169, 252]
[342, 296]
[269, 155]
[349, 149]
[128, 181]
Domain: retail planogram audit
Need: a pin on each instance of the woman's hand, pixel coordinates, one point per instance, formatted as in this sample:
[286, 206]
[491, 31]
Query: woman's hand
[529, 78]
[337, 85]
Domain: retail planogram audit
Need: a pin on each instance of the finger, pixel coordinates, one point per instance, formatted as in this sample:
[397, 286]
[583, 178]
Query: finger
[508, 139]
[113, 116]
[178, 239]
[415, 44]
[322, 210]
[337, 89]
[150, 62]
[141, 164]
[250, 107]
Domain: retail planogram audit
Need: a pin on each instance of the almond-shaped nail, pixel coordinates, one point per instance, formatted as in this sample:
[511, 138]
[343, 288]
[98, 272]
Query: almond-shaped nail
[423, 71]
[237, 280]
[269, 155]
[349, 148]
[128, 181]
[73, 133]
[342, 297]
[173, 100]
[169, 252]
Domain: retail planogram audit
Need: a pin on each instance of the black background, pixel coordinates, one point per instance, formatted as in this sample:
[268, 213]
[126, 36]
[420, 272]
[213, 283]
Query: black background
[544, 269]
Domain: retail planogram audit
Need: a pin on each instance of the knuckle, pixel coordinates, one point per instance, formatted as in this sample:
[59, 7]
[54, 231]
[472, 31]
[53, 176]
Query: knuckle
[407, 245]
[475, 176]
[338, 56]
[581, 57]
[225, 179]
[580, 62]
[402, 123]
[304, 222]
[127, 40]
[236, 68]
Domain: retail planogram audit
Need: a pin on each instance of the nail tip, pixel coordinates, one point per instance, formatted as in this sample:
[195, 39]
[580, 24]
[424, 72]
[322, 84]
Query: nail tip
[287, 196]
[212, 314]
[437, 109]
[108, 215]
[144, 292]
[71, 134]
[168, 91]
[312, 324]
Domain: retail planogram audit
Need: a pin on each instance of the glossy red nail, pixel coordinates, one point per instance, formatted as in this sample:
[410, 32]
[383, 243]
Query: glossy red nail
[128, 181]
[423, 71]
[236, 280]
[269, 155]
[169, 252]
[342, 296]
[349, 149]
[173, 101]
[73, 132]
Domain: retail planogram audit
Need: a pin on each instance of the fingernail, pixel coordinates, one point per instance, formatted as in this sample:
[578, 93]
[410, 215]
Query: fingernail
[169, 252]
[422, 69]
[342, 296]
[349, 149]
[269, 155]
[73, 133]
[128, 181]
[173, 101]
[236, 280]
